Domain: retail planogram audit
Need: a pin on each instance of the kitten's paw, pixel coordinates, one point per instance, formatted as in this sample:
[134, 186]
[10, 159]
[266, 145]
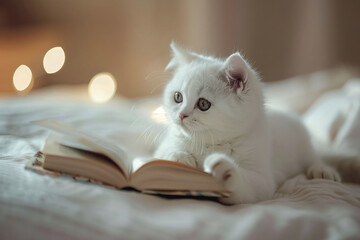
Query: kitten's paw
[323, 171]
[222, 168]
[182, 157]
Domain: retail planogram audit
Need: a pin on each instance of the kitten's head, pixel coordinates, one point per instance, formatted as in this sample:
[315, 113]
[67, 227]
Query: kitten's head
[219, 99]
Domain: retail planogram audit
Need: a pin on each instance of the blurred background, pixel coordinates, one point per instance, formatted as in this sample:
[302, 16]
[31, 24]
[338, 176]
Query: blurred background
[44, 43]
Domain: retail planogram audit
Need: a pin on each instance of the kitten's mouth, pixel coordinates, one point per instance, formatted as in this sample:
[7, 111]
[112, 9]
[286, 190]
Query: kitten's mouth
[183, 125]
[188, 126]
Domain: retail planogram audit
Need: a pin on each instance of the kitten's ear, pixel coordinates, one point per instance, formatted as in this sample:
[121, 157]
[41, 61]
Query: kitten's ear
[236, 72]
[180, 56]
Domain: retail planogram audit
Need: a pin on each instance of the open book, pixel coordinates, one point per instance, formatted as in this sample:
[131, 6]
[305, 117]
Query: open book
[76, 153]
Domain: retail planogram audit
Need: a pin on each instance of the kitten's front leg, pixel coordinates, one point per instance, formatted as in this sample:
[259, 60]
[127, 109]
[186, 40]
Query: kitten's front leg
[222, 168]
[245, 186]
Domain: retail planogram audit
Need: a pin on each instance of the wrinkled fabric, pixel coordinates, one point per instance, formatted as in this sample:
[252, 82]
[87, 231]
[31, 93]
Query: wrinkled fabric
[42, 207]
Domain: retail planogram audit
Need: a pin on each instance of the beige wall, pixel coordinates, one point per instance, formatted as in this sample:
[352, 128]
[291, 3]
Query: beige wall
[130, 38]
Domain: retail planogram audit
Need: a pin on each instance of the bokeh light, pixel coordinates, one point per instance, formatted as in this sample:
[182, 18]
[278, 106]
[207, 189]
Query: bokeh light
[22, 78]
[102, 87]
[54, 59]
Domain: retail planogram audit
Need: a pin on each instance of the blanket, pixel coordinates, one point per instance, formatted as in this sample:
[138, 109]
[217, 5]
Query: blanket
[34, 206]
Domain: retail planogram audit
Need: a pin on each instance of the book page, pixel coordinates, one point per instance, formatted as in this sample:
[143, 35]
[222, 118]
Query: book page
[82, 164]
[163, 175]
[138, 162]
[69, 141]
[85, 141]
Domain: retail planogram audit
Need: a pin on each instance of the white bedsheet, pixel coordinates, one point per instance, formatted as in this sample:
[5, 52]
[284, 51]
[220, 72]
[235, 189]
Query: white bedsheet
[33, 206]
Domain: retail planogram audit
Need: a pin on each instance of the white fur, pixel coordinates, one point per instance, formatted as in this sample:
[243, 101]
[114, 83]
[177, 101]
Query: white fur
[251, 150]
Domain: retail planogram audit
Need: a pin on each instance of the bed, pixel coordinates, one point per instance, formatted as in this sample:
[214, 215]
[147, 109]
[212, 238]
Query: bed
[34, 206]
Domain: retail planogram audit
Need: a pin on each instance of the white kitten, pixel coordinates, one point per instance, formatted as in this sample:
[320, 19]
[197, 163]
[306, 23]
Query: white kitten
[218, 122]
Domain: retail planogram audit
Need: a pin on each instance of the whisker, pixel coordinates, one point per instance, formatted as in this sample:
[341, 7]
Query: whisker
[212, 139]
[162, 85]
[159, 78]
[156, 75]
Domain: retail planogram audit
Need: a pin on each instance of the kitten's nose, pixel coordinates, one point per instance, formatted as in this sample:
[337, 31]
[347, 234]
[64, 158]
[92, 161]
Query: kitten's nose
[182, 116]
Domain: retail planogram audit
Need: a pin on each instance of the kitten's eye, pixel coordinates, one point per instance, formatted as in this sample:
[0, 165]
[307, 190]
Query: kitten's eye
[178, 97]
[204, 104]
